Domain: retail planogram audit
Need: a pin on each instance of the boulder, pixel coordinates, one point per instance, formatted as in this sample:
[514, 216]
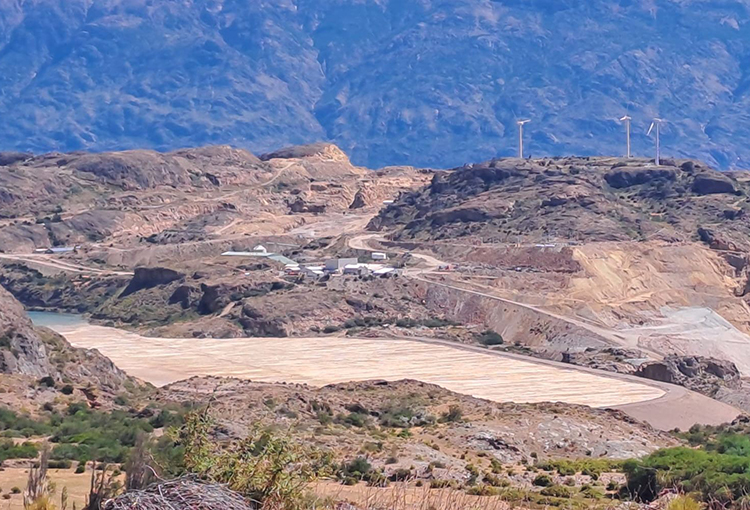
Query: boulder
[627, 177]
[715, 240]
[150, 277]
[8, 158]
[712, 183]
[698, 373]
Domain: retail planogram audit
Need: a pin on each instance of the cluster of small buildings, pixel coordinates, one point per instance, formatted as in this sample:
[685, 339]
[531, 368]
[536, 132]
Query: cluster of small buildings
[345, 266]
[342, 266]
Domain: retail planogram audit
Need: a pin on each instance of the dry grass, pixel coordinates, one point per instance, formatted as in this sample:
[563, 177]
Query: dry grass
[78, 486]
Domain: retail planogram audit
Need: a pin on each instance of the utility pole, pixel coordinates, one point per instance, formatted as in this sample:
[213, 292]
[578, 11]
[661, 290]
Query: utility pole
[520, 136]
[626, 119]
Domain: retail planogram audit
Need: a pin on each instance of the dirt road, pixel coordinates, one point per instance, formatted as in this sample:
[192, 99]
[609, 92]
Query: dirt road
[61, 265]
[432, 264]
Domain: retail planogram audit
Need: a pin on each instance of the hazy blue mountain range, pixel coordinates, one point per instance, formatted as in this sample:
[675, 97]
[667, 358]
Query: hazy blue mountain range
[422, 82]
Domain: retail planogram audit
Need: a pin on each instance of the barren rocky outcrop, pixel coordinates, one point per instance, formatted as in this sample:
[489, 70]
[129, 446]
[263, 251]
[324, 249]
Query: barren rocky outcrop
[125, 198]
[506, 432]
[704, 375]
[574, 199]
[29, 354]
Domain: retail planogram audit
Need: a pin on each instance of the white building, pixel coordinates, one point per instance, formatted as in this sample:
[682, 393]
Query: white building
[313, 271]
[339, 264]
[379, 256]
[292, 270]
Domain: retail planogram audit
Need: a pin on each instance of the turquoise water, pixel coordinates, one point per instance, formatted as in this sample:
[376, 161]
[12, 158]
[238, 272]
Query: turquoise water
[52, 319]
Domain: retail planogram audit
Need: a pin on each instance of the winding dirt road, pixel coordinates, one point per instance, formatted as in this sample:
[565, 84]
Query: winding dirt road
[677, 408]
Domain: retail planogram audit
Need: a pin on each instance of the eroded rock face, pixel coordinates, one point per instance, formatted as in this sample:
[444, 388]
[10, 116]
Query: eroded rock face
[300, 205]
[698, 373]
[582, 199]
[149, 277]
[320, 150]
[217, 296]
[625, 178]
[133, 169]
[715, 240]
[712, 183]
[38, 352]
[21, 349]
[8, 158]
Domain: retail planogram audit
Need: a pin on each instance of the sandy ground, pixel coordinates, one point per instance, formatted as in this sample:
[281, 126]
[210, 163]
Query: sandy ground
[322, 361]
[78, 486]
[396, 497]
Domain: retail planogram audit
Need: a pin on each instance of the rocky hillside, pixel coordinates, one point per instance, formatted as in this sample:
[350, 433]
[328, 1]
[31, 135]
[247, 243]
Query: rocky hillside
[188, 195]
[37, 357]
[576, 199]
[82, 74]
[347, 418]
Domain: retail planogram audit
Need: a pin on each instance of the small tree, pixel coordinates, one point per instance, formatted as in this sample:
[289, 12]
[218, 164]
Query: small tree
[268, 469]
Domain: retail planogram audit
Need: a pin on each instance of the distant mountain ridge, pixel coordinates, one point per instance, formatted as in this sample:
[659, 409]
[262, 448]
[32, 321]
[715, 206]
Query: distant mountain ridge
[428, 83]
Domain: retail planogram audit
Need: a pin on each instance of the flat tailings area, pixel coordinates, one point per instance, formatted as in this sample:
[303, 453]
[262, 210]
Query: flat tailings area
[328, 360]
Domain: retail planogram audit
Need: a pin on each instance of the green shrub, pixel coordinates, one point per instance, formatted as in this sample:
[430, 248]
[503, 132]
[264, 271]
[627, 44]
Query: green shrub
[11, 450]
[357, 468]
[591, 492]
[716, 476]
[591, 467]
[496, 466]
[483, 490]
[60, 464]
[495, 481]
[270, 469]
[490, 338]
[401, 475]
[355, 419]
[542, 481]
[324, 418]
[556, 491]
[442, 484]
[47, 381]
[454, 414]
[684, 503]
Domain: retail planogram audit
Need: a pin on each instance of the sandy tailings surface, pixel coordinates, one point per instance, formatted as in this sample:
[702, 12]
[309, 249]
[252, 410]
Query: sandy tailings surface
[321, 361]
